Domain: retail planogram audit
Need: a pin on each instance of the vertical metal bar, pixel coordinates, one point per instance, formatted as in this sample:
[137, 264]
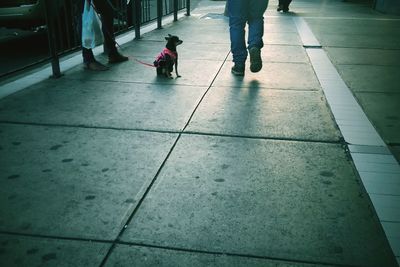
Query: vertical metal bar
[130, 16]
[138, 12]
[187, 7]
[76, 23]
[117, 15]
[55, 62]
[147, 11]
[159, 13]
[175, 10]
[68, 24]
[124, 16]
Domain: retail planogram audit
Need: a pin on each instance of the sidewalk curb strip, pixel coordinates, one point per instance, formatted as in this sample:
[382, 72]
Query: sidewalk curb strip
[378, 169]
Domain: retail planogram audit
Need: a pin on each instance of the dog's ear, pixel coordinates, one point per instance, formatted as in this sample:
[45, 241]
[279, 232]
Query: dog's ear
[168, 37]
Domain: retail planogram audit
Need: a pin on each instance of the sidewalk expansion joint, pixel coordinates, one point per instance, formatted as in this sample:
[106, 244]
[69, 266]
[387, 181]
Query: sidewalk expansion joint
[139, 203]
[187, 250]
[150, 186]
[160, 83]
[338, 142]
[313, 46]
[90, 127]
[221, 253]
[56, 237]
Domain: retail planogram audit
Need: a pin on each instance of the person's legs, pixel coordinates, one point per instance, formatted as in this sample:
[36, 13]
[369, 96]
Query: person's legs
[87, 55]
[286, 5]
[237, 21]
[256, 32]
[106, 10]
[280, 5]
[88, 58]
[256, 23]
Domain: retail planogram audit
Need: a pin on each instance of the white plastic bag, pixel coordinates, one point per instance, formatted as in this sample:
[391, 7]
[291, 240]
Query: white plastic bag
[91, 27]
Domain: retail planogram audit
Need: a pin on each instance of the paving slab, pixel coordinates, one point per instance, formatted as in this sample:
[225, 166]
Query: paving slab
[208, 6]
[22, 251]
[195, 29]
[284, 53]
[368, 78]
[271, 17]
[216, 31]
[74, 182]
[218, 201]
[362, 41]
[383, 111]
[283, 38]
[396, 151]
[370, 33]
[377, 25]
[125, 255]
[280, 31]
[293, 76]
[366, 56]
[271, 25]
[147, 50]
[387, 207]
[103, 104]
[333, 9]
[276, 199]
[265, 113]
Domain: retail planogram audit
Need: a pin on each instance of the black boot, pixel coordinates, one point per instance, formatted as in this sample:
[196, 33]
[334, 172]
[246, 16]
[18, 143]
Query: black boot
[286, 5]
[116, 57]
[280, 6]
[285, 8]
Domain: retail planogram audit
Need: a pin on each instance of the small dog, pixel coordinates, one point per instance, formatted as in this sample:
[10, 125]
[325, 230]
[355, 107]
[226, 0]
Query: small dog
[166, 60]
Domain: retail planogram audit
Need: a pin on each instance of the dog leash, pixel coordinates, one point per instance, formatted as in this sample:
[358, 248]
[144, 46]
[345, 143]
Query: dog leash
[138, 61]
[135, 59]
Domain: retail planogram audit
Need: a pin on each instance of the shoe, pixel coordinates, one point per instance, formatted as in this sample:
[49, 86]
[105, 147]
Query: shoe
[280, 8]
[116, 58]
[95, 66]
[255, 59]
[238, 70]
[285, 8]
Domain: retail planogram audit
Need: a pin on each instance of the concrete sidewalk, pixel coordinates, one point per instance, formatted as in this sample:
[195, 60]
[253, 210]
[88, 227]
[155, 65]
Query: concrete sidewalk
[123, 168]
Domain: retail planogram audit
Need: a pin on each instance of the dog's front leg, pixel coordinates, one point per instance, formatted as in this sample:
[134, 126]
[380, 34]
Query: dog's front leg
[176, 68]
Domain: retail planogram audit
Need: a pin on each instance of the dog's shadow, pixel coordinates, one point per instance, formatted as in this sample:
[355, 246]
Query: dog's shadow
[160, 79]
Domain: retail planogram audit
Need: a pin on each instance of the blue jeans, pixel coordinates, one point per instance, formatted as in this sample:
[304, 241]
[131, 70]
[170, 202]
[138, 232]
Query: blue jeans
[240, 12]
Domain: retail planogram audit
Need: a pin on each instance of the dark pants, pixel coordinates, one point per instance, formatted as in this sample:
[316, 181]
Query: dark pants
[285, 3]
[240, 13]
[106, 12]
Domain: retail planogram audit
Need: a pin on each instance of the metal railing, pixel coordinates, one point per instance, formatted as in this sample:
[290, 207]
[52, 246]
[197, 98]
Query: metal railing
[61, 20]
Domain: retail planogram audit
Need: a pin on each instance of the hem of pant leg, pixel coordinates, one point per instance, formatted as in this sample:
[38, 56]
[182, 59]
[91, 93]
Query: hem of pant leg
[112, 51]
[239, 65]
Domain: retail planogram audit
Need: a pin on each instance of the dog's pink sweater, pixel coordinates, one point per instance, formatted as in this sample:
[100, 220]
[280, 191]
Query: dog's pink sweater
[162, 55]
